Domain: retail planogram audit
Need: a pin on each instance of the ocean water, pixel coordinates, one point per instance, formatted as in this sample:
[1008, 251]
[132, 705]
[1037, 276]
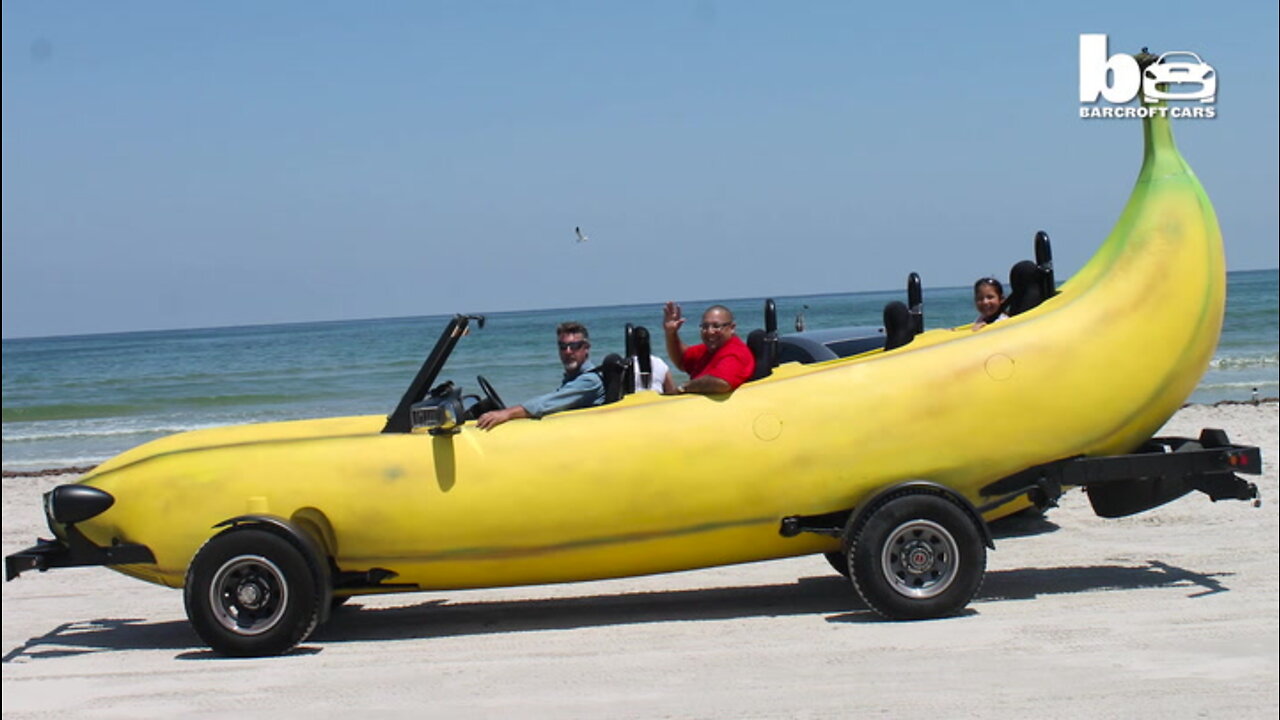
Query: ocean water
[78, 400]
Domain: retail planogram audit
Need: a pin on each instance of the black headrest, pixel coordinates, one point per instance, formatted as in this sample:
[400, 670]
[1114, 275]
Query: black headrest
[897, 325]
[613, 370]
[1044, 263]
[629, 349]
[764, 348]
[915, 302]
[1025, 290]
[641, 372]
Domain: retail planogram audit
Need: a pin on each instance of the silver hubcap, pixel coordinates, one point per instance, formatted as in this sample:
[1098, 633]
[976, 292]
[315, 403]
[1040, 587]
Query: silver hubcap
[248, 595]
[920, 559]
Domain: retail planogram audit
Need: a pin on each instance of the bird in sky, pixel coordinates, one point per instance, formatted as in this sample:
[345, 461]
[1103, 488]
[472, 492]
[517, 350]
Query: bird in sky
[581, 237]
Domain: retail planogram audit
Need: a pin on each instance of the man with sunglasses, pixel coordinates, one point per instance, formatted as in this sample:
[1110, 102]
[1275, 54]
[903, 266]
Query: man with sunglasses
[720, 364]
[581, 387]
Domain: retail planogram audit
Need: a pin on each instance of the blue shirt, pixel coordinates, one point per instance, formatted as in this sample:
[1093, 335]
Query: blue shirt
[579, 390]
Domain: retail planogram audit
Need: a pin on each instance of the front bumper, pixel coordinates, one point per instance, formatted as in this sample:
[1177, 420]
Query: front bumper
[65, 506]
[76, 551]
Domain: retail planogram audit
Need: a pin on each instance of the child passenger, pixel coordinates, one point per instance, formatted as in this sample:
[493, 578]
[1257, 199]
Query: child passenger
[988, 298]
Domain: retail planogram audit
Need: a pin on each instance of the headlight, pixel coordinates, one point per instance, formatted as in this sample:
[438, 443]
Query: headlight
[68, 504]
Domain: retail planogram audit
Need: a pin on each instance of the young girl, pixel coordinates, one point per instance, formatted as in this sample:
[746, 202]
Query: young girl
[988, 298]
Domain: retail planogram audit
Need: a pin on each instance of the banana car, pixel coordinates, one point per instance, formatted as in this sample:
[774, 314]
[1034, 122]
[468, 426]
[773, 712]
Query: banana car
[865, 455]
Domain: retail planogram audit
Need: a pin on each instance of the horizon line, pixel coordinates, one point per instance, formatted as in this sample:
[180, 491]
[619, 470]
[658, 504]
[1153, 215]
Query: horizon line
[235, 326]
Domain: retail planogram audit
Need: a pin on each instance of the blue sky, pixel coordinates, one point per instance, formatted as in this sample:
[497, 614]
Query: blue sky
[172, 165]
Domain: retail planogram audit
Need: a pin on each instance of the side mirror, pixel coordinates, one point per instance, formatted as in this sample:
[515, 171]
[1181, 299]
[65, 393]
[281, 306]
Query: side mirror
[441, 413]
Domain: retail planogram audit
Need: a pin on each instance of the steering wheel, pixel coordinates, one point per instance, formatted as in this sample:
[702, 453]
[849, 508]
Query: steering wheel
[490, 394]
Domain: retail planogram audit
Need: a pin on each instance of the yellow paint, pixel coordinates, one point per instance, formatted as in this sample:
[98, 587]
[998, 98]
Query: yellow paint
[767, 427]
[1000, 367]
[654, 484]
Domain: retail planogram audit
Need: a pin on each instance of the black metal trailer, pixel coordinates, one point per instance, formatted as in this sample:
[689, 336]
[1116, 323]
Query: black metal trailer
[1163, 469]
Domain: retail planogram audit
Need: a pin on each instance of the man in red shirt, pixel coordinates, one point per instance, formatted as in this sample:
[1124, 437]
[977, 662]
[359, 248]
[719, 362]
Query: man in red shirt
[721, 363]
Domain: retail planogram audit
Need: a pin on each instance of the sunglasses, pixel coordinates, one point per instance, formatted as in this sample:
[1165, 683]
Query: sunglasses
[575, 345]
[715, 325]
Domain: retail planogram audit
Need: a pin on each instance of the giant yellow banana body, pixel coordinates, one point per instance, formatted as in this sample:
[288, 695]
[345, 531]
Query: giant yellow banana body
[655, 484]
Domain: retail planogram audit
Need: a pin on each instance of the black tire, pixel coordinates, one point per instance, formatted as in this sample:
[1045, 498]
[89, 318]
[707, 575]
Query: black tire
[839, 562]
[251, 592]
[917, 556]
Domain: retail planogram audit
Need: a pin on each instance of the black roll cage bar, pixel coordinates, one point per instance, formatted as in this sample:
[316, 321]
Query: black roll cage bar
[398, 421]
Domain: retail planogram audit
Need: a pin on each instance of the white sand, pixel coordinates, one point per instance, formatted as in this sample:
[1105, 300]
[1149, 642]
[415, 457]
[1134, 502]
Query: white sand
[1171, 613]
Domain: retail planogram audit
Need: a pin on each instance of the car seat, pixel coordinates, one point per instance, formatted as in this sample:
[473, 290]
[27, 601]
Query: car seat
[639, 360]
[763, 344]
[898, 329]
[764, 348]
[915, 303]
[1024, 288]
[902, 322]
[613, 371]
[1044, 264]
[1031, 283]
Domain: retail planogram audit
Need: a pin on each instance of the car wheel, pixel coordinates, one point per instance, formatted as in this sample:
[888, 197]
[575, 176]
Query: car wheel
[839, 562]
[251, 592]
[917, 556]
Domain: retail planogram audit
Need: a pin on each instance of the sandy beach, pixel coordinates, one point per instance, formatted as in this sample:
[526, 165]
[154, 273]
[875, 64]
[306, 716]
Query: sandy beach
[1170, 613]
